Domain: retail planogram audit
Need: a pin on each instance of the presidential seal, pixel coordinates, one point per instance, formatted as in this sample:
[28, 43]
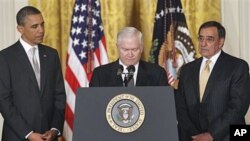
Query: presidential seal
[125, 113]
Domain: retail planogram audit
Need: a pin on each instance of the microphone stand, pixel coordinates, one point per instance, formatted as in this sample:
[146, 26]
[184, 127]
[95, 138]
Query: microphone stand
[127, 76]
[125, 80]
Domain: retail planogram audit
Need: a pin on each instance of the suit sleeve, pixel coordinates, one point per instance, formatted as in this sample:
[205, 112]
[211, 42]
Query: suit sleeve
[8, 110]
[94, 82]
[186, 128]
[163, 78]
[239, 89]
[60, 98]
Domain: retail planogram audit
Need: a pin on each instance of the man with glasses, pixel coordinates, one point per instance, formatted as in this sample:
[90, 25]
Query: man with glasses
[213, 90]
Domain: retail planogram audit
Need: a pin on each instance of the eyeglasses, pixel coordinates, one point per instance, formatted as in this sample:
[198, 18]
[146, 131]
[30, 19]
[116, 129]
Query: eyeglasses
[206, 39]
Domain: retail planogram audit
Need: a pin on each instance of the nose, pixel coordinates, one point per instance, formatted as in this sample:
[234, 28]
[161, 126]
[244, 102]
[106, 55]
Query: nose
[130, 53]
[41, 28]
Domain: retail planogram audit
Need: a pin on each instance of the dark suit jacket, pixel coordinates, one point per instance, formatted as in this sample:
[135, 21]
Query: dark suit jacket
[23, 106]
[148, 75]
[225, 100]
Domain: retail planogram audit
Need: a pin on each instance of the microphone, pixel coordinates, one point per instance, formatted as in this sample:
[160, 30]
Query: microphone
[131, 70]
[119, 70]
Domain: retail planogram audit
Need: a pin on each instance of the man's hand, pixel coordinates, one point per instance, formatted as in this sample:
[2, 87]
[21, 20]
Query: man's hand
[50, 135]
[35, 137]
[203, 137]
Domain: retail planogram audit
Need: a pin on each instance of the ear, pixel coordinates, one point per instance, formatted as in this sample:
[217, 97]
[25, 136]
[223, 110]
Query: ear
[141, 48]
[20, 28]
[222, 40]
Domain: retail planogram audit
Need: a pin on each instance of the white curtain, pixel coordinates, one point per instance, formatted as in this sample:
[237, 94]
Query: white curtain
[8, 32]
[8, 10]
[236, 19]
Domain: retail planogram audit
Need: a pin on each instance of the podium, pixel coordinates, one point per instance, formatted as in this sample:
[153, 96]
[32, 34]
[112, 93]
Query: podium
[125, 114]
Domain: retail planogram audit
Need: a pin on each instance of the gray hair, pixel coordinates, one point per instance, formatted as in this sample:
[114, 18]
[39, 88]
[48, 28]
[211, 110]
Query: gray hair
[128, 32]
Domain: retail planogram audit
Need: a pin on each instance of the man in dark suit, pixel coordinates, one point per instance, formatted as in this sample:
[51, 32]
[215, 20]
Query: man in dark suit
[130, 47]
[205, 110]
[32, 94]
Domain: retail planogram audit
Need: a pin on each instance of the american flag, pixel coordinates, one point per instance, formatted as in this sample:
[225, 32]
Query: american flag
[172, 45]
[85, 52]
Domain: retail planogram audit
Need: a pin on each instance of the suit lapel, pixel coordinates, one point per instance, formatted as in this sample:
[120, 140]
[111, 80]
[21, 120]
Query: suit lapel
[140, 75]
[43, 65]
[214, 74]
[196, 80]
[25, 63]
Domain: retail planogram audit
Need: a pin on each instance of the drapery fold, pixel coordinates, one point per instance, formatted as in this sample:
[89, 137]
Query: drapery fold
[117, 14]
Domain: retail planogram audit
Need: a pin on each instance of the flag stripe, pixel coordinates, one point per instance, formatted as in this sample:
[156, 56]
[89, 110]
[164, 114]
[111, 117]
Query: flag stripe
[71, 80]
[75, 65]
[86, 51]
[67, 133]
[70, 97]
[70, 115]
[171, 79]
[103, 50]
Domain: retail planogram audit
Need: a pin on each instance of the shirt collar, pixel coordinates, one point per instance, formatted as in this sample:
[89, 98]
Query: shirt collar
[124, 66]
[26, 46]
[213, 58]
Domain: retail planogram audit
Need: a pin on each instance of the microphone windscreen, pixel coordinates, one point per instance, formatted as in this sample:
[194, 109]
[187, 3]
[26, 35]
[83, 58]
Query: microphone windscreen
[119, 70]
[131, 69]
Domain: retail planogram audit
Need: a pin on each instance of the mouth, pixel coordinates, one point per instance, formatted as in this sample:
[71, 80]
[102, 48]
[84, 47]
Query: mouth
[203, 49]
[40, 37]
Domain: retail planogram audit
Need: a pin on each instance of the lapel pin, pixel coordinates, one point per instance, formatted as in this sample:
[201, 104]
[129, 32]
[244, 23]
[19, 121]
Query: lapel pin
[44, 55]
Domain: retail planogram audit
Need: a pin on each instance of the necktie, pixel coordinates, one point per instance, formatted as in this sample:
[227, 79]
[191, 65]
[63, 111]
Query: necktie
[204, 78]
[131, 82]
[35, 64]
[128, 82]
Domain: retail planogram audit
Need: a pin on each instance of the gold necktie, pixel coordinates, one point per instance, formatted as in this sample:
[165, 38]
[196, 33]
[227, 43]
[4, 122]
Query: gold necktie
[35, 65]
[204, 78]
